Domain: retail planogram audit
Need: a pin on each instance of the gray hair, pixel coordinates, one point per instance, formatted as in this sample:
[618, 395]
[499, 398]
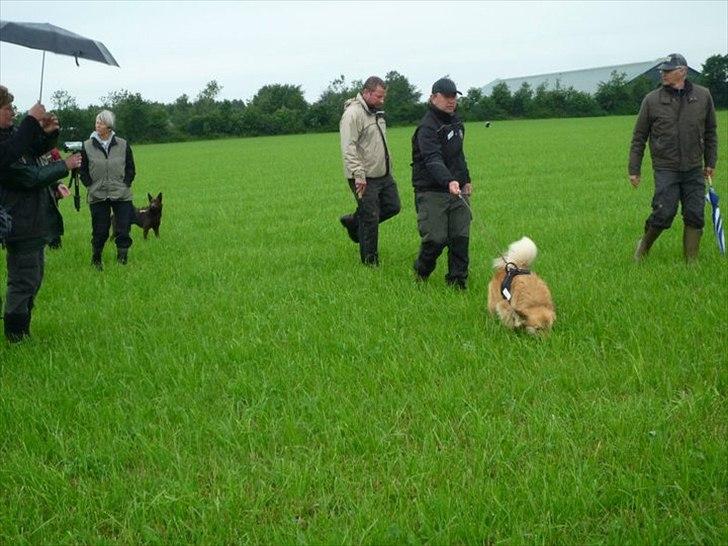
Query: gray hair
[107, 118]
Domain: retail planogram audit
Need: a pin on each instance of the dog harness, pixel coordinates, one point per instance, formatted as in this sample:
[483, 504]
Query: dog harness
[511, 271]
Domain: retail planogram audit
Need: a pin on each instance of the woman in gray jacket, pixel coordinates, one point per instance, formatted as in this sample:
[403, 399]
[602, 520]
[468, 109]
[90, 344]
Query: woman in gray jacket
[108, 171]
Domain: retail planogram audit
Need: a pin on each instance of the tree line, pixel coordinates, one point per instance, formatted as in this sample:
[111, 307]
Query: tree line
[282, 109]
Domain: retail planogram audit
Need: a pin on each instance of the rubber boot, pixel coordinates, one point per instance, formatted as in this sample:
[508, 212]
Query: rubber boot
[645, 243]
[691, 243]
[96, 259]
[16, 326]
[122, 255]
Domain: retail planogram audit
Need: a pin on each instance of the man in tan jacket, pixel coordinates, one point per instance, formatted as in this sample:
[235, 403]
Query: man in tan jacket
[367, 167]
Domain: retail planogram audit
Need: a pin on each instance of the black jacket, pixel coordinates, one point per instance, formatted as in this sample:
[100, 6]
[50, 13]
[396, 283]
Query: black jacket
[437, 152]
[26, 192]
[13, 144]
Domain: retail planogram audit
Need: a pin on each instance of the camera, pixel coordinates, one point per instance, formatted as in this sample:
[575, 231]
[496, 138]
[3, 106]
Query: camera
[72, 146]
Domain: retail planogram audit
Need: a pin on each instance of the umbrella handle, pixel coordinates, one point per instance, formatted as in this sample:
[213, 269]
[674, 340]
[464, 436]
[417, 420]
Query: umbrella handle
[42, 70]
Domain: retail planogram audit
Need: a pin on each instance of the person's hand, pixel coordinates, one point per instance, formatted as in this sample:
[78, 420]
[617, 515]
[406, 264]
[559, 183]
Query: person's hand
[73, 161]
[37, 111]
[62, 191]
[50, 123]
[708, 172]
[634, 179]
[360, 184]
[454, 187]
[468, 189]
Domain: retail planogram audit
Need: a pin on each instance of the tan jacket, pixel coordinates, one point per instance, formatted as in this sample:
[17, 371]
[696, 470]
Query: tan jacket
[363, 141]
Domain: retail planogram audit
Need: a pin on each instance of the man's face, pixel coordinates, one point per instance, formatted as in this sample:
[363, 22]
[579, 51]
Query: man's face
[7, 113]
[375, 99]
[674, 77]
[446, 103]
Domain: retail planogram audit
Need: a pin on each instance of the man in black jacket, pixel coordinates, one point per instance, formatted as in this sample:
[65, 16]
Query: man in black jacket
[679, 121]
[442, 186]
[25, 192]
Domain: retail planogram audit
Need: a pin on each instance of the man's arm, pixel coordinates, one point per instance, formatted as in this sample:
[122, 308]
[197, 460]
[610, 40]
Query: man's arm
[12, 149]
[639, 139]
[349, 132]
[711, 139]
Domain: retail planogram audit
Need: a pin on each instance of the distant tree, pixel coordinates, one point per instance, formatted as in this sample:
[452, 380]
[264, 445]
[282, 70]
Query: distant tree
[501, 100]
[403, 100]
[468, 108]
[271, 98]
[715, 78]
[209, 93]
[136, 119]
[521, 102]
[614, 95]
[62, 100]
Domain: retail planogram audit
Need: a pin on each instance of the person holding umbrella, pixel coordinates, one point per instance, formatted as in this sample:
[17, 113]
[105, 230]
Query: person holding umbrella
[12, 149]
[679, 119]
[25, 191]
[108, 171]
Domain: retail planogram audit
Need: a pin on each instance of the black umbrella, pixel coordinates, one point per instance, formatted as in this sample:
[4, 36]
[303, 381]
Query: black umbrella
[47, 37]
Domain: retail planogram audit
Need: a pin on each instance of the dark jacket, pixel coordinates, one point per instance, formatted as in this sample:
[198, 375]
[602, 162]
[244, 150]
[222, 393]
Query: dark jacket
[26, 192]
[16, 143]
[681, 126]
[437, 152]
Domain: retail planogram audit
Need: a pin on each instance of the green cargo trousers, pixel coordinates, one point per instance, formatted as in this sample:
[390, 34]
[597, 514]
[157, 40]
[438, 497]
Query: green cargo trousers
[443, 220]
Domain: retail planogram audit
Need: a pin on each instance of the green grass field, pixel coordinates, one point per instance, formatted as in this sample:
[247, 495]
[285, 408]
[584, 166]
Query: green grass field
[245, 380]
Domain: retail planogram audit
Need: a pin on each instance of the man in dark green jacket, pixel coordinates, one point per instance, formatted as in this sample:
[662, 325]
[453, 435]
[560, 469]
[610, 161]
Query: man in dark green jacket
[679, 120]
[25, 192]
[441, 180]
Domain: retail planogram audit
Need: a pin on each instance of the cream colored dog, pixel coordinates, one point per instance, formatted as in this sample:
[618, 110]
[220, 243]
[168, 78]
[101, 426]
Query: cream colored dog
[519, 297]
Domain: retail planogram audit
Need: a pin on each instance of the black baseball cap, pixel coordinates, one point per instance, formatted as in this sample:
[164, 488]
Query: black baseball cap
[445, 86]
[673, 61]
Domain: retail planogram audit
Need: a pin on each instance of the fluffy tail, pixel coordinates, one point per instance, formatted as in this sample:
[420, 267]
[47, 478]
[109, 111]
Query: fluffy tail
[522, 253]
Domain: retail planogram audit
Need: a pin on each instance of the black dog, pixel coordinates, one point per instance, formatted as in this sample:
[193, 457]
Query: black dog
[150, 217]
[146, 218]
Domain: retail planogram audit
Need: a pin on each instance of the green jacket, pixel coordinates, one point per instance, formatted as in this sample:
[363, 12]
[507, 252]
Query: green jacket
[681, 127]
[363, 135]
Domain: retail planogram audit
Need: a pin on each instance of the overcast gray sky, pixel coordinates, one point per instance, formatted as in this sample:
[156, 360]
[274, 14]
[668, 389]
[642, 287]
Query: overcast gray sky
[165, 49]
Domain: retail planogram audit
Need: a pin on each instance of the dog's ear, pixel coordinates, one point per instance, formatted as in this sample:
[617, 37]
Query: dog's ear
[159, 196]
[149, 196]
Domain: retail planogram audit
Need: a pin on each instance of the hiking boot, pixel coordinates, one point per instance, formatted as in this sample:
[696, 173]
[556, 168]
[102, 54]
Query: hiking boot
[645, 243]
[16, 326]
[122, 256]
[691, 243]
[96, 260]
[349, 223]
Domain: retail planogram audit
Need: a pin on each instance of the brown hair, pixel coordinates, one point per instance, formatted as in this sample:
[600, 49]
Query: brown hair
[372, 83]
[6, 97]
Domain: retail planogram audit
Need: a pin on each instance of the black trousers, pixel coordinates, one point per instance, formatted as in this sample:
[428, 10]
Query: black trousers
[673, 187]
[25, 275]
[101, 223]
[379, 203]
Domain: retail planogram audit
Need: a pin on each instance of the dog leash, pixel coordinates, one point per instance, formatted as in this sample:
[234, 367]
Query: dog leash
[482, 224]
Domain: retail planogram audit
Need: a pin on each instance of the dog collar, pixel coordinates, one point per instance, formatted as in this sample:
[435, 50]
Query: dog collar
[511, 271]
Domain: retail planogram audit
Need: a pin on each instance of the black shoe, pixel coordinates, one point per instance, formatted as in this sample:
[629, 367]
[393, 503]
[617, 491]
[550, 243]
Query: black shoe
[349, 224]
[372, 260]
[96, 262]
[16, 327]
[122, 256]
[460, 284]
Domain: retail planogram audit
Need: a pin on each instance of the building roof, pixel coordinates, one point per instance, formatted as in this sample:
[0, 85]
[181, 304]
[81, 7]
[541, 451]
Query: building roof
[587, 79]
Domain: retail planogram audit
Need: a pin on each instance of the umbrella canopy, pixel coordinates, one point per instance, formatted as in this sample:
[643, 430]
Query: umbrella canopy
[47, 37]
[712, 198]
